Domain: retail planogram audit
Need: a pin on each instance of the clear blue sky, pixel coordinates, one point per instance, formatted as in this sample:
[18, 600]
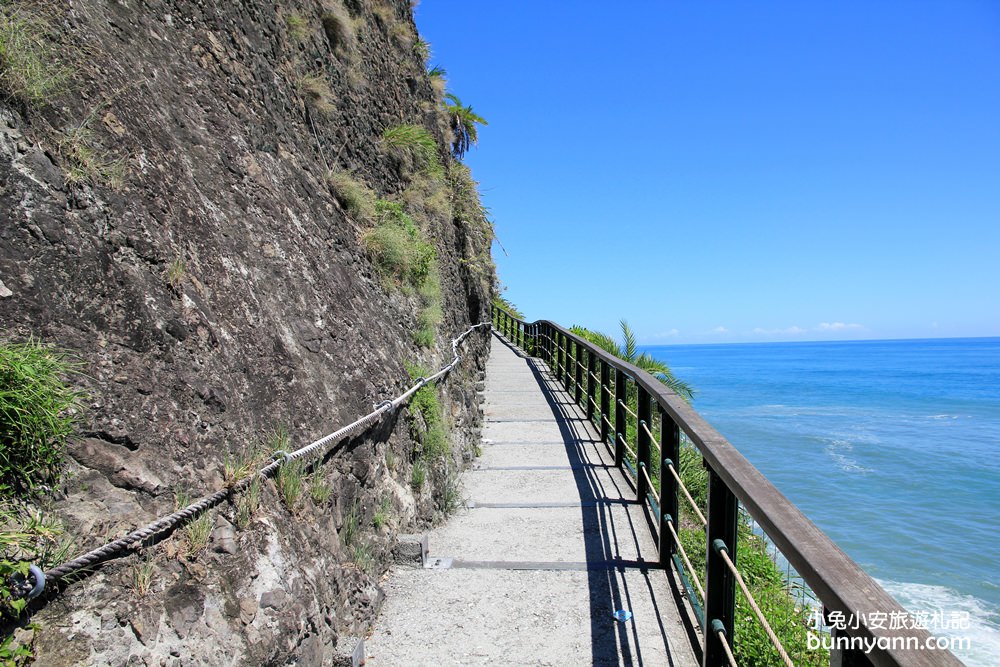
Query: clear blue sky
[738, 171]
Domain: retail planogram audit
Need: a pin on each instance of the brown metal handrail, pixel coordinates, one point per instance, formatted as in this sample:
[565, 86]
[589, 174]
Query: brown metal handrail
[840, 584]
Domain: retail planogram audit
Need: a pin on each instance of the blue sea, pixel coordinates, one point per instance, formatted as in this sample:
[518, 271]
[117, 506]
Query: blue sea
[891, 447]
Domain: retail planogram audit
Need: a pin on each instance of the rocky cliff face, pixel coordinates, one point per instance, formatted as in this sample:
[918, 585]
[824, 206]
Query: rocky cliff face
[167, 215]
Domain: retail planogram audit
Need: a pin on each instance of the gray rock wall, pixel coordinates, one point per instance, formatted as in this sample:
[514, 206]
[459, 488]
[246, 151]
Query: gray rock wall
[210, 156]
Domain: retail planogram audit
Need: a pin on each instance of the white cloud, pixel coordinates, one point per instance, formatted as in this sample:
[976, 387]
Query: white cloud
[672, 333]
[719, 330]
[788, 331]
[837, 326]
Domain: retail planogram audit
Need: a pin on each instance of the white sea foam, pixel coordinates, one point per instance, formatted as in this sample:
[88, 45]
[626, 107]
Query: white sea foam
[839, 451]
[984, 618]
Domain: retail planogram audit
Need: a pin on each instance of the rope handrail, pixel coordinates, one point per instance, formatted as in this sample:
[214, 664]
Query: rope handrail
[626, 408]
[720, 632]
[645, 428]
[625, 445]
[170, 521]
[652, 489]
[721, 549]
[687, 494]
[692, 574]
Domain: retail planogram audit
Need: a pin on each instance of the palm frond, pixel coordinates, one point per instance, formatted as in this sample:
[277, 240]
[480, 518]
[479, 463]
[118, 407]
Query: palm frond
[628, 339]
[662, 372]
[601, 340]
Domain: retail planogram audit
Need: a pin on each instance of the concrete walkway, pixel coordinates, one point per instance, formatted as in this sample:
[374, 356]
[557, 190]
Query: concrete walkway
[549, 545]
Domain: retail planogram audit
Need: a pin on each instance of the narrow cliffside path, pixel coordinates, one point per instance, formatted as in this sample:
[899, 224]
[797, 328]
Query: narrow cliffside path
[549, 545]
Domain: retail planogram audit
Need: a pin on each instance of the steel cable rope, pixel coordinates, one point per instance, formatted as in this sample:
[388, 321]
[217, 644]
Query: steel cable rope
[107, 551]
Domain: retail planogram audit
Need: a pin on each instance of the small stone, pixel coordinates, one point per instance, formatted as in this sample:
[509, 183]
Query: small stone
[274, 599]
[224, 539]
[4, 291]
[248, 610]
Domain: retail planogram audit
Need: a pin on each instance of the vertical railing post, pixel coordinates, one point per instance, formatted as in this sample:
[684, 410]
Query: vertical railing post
[591, 385]
[642, 447]
[520, 334]
[561, 356]
[670, 454]
[547, 344]
[568, 370]
[578, 372]
[551, 346]
[720, 585]
[605, 400]
[621, 426]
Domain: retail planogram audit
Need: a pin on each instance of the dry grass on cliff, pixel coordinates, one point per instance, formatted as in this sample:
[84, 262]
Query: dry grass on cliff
[316, 91]
[356, 197]
[30, 69]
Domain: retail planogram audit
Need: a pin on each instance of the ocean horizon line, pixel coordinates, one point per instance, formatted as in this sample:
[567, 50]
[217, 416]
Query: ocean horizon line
[826, 341]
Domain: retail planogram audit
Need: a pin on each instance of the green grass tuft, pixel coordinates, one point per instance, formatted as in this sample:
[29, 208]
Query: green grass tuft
[415, 147]
[398, 246]
[30, 71]
[382, 514]
[298, 27]
[319, 490]
[356, 197]
[418, 476]
[290, 482]
[87, 162]
[430, 429]
[38, 413]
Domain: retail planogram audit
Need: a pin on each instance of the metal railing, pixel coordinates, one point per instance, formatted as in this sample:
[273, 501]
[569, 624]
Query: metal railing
[606, 387]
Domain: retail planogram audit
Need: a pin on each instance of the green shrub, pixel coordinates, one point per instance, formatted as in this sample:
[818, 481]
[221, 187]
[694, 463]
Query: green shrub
[29, 68]
[415, 146]
[38, 413]
[431, 313]
[422, 50]
[430, 431]
[418, 476]
[398, 246]
[353, 195]
[26, 536]
[766, 581]
[364, 557]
